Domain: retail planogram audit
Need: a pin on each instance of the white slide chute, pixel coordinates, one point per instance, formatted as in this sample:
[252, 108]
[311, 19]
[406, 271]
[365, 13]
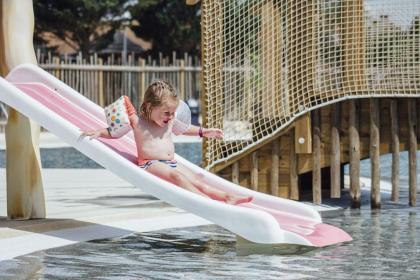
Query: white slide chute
[64, 112]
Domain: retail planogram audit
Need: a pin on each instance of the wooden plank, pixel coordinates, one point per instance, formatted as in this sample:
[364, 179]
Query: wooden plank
[274, 181]
[294, 183]
[316, 158]
[353, 42]
[272, 99]
[142, 79]
[374, 153]
[354, 154]
[335, 152]
[254, 171]
[412, 149]
[395, 149]
[230, 161]
[101, 85]
[303, 139]
[182, 79]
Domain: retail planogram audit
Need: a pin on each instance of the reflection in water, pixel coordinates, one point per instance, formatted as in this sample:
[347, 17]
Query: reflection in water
[385, 246]
[245, 248]
[27, 267]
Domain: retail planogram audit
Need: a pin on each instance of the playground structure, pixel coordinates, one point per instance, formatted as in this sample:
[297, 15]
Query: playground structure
[302, 88]
[65, 112]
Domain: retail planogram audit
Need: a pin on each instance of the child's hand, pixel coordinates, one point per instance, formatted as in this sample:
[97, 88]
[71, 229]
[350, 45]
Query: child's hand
[213, 133]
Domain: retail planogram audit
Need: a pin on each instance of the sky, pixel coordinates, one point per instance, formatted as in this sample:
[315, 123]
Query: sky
[401, 12]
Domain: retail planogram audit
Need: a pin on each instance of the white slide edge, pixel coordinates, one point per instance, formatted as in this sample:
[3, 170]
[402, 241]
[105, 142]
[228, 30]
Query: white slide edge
[254, 225]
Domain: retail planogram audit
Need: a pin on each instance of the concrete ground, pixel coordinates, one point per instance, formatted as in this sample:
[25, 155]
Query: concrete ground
[86, 204]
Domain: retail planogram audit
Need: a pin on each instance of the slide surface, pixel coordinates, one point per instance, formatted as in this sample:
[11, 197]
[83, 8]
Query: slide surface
[64, 112]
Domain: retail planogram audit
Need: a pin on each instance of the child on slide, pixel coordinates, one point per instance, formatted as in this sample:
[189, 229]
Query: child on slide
[153, 136]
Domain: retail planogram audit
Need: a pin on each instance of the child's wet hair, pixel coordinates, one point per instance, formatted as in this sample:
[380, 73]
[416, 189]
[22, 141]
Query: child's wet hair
[156, 94]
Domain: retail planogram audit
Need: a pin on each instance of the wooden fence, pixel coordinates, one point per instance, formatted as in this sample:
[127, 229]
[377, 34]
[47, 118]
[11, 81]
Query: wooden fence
[103, 80]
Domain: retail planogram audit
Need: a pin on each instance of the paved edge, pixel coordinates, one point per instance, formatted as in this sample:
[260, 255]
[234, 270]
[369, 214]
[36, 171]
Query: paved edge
[29, 242]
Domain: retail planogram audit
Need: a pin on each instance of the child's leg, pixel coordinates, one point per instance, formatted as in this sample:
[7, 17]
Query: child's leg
[162, 170]
[210, 191]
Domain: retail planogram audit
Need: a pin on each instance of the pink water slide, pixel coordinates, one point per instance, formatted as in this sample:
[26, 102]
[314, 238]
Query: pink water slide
[64, 112]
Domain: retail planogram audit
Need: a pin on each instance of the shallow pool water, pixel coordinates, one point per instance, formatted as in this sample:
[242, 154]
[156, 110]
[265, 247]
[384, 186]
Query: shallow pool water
[386, 245]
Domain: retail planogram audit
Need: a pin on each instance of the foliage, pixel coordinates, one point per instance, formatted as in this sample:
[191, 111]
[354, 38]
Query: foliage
[78, 22]
[170, 25]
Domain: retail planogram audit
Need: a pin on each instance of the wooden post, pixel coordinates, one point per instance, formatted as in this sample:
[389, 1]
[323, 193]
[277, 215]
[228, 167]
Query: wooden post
[316, 157]
[335, 152]
[248, 97]
[353, 42]
[101, 84]
[303, 138]
[254, 171]
[25, 194]
[235, 172]
[57, 72]
[412, 149]
[294, 178]
[142, 78]
[274, 182]
[395, 150]
[182, 79]
[302, 59]
[270, 43]
[354, 155]
[374, 151]
[211, 51]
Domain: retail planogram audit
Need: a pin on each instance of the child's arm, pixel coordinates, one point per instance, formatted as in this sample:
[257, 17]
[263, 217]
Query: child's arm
[204, 132]
[131, 112]
[103, 132]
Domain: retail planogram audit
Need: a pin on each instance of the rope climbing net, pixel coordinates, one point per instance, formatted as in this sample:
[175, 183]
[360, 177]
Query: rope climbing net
[266, 62]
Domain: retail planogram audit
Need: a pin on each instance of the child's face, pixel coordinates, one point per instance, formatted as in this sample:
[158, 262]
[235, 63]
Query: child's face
[163, 114]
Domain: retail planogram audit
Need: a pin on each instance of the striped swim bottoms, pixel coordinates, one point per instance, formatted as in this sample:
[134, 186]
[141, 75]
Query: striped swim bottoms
[147, 163]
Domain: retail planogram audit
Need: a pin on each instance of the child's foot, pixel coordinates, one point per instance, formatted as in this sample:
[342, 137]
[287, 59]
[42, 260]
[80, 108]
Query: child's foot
[235, 200]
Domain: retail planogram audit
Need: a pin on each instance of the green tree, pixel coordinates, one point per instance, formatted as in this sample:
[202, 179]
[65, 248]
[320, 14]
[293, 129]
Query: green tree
[170, 25]
[78, 22]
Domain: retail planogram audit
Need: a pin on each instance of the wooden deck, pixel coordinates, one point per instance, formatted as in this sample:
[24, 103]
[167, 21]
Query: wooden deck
[314, 149]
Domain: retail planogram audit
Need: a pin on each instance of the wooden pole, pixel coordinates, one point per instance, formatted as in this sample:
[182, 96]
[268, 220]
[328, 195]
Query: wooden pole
[335, 152]
[270, 47]
[294, 178]
[182, 79]
[374, 151]
[303, 138]
[254, 171]
[354, 155]
[25, 194]
[275, 155]
[316, 158]
[142, 87]
[395, 150]
[235, 172]
[101, 85]
[412, 149]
